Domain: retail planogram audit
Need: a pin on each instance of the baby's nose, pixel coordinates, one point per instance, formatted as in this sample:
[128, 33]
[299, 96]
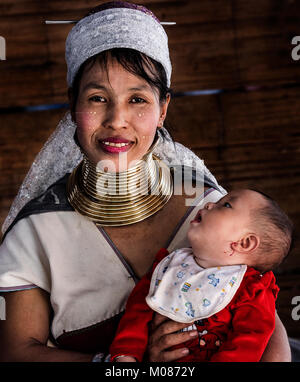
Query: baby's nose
[209, 206]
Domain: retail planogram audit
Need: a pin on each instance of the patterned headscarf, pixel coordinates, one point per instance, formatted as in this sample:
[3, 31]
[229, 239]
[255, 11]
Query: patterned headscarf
[117, 25]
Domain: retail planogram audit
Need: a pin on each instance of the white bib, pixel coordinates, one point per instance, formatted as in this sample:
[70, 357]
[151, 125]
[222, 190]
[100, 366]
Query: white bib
[185, 292]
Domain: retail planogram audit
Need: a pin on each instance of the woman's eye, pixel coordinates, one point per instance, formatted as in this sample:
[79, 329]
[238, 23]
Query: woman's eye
[137, 100]
[97, 99]
[227, 205]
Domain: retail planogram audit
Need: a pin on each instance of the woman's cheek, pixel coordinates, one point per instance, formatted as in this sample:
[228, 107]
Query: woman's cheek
[86, 119]
[147, 125]
[86, 123]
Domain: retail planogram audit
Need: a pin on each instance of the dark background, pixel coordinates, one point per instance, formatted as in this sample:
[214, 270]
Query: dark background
[236, 96]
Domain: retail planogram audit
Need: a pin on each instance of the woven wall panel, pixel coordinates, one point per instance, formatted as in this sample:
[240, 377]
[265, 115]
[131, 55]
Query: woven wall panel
[22, 135]
[214, 45]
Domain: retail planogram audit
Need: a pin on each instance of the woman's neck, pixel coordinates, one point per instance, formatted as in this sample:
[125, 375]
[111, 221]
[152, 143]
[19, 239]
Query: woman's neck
[122, 198]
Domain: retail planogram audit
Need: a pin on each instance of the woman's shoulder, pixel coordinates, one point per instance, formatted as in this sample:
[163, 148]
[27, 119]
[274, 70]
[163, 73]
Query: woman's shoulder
[191, 178]
[53, 199]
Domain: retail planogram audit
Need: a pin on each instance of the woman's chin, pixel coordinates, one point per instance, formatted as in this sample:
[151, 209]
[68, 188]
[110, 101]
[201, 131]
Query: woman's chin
[114, 160]
[112, 163]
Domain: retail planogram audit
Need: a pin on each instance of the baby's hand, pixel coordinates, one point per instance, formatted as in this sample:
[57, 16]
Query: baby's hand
[125, 358]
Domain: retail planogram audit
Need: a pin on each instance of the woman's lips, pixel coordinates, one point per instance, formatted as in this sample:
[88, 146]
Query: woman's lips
[115, 144]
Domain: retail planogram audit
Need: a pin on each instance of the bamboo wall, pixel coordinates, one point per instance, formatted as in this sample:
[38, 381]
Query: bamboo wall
[246, 129]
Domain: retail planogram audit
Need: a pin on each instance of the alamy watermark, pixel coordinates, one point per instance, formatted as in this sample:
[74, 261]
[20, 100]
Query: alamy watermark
[296, 309]
[296, 51]
[2, 49]
[2, 308]
[187, 181]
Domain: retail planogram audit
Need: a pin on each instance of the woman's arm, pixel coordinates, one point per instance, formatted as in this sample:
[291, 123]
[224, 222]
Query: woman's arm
[24, 333]
[278, 348]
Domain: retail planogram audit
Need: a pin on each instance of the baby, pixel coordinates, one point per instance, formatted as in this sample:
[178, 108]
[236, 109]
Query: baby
[223, 285]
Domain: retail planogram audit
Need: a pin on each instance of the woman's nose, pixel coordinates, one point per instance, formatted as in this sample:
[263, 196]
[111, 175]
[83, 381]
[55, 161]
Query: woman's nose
[116, 117]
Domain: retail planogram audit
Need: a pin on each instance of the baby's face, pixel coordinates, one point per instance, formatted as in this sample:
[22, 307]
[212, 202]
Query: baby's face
[219, 224]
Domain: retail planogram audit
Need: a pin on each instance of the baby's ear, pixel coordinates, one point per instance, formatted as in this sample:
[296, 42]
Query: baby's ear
[248, 243]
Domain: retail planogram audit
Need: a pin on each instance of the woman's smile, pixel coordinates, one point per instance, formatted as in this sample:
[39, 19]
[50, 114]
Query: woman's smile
[115, 145]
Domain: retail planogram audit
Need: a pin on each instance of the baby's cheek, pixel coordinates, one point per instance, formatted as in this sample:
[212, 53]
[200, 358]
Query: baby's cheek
[192, 235]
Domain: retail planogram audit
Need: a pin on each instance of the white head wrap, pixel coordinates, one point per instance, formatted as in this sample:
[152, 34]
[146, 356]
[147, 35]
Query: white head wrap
[117, 28]
[111, 28]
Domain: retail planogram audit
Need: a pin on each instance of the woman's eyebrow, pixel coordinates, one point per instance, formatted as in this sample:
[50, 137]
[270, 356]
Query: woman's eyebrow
[93, 85]
[138, 88]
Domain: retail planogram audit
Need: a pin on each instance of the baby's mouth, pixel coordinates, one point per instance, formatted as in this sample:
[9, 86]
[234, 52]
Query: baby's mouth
[197, 218]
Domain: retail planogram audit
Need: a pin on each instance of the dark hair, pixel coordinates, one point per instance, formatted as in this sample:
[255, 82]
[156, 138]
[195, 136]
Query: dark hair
[276, 233]
[134, 62]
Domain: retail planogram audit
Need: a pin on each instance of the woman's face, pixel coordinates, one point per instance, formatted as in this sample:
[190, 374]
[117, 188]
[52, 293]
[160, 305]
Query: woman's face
[117, 114]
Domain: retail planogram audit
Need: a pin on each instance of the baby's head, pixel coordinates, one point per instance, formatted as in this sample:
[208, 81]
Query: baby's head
[244, 227]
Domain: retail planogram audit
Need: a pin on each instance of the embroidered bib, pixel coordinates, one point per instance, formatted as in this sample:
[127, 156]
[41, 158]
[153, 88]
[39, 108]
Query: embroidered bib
[185, 292]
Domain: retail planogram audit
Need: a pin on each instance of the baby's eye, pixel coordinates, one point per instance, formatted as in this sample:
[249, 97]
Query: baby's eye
[227, 205]
[97, 99]
[137, 100]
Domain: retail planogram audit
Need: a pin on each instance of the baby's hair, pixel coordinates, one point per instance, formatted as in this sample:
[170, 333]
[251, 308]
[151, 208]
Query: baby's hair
[276, 234]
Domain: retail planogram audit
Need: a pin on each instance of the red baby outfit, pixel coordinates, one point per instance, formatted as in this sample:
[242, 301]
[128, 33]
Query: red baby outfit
[237, 333]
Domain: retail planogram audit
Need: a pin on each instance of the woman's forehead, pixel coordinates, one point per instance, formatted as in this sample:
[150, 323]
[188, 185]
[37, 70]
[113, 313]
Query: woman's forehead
[110, 74]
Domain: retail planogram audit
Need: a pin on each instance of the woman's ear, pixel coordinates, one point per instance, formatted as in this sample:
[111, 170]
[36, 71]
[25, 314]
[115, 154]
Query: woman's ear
[246, 244]
[164, 108]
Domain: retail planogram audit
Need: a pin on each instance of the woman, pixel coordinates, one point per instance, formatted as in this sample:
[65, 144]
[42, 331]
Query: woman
[73, 254]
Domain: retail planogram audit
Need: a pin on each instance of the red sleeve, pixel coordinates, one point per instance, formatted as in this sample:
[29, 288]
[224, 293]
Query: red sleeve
[253, 319]
[132, 333]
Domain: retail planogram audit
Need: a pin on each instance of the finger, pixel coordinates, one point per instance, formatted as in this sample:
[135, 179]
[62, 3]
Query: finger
[158, 319]
[174, 355]
[168, 327]
[169, 340]
[155, 355]
[158, 348]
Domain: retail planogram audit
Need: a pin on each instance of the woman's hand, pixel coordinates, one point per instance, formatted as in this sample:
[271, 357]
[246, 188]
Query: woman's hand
[125, 358]
[163, 335]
